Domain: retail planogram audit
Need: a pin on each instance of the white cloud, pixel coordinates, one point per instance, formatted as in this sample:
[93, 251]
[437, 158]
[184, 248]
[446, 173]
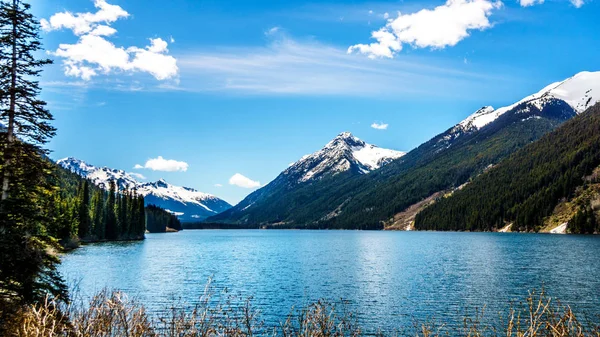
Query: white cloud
[218, 185]
[577, 3]
[93, 54]
[137, 175]
[290, 67]
[83, 23]
[242, 181]
[436, 28]
[527, 3]
[162, 164]
[379, 126]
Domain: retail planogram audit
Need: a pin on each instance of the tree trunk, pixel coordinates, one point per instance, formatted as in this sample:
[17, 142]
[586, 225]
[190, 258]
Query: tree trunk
[11, 111]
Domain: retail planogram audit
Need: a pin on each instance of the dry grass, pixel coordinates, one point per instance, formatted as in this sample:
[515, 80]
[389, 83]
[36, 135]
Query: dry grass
[112, 314]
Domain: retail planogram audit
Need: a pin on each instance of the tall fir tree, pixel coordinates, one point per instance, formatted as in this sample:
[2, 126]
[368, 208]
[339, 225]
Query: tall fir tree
[84, 211]
[27, 266]
[97, 215]
[111, 219]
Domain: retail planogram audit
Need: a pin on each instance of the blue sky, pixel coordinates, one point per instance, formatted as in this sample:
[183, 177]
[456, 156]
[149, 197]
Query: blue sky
[248, 87]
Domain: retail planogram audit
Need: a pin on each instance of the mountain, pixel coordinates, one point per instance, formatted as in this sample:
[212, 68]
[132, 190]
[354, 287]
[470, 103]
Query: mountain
[549, 183]
[187, 203]
[441, 165]
[345, 155]
[100, 176]
[579, 92]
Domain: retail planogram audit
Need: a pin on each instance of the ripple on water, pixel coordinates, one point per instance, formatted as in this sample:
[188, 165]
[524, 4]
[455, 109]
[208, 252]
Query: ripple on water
[388, 278]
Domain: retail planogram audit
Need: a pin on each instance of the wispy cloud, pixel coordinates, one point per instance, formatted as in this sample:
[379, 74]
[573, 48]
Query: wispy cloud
[288, 66]
[93, 54]
[243, 181]
[379, 126]
[527, 3]
[162, 164]
[218, 185]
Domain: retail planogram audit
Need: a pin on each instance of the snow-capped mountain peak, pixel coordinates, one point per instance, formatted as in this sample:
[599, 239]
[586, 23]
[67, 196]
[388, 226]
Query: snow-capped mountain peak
[579, 92]
[341, 154]
[479, 118]
[186, 202]
[100, 176]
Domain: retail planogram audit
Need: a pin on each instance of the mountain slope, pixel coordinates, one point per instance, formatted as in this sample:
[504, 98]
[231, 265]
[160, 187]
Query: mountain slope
[344, 153]
[445, 162]
[188, 204]
[424, 172]
[525, 188]
[344, 156]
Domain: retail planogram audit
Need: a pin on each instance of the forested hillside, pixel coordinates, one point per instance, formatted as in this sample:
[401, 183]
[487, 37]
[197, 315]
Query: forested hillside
[159, 221]
[85, 212]
[82, 211]
[526, 188]
[366, 201]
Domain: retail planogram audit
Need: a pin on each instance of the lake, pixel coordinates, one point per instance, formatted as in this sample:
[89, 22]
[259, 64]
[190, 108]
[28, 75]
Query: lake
[388, 278]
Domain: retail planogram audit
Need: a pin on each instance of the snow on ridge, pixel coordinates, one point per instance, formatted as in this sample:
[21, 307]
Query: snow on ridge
[177, 193]
[480, 118]
[339, 155]
[374, 157]
[580, 92]
[101, 176]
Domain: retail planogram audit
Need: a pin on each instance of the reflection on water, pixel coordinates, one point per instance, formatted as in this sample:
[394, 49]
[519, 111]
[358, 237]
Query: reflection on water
[388, 278]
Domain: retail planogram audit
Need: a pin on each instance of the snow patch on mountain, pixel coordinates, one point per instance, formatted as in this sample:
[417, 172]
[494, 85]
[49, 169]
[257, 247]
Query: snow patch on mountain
[162, 189]
[176, 199]
[100, 176]
[580, 92]
[341, 154]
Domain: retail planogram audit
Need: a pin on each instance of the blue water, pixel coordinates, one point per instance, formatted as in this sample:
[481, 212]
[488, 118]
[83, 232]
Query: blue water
[389, 279]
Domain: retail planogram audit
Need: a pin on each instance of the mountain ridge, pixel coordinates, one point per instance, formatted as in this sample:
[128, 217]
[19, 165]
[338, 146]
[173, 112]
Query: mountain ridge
[446, 161]
[187, 203]
[521, 192]
[344, 155]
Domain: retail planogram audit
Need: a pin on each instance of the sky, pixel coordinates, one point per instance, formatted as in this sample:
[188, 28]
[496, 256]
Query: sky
[223, 95]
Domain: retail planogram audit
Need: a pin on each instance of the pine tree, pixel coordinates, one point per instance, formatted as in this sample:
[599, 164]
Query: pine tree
[25, 114]
[27, 266]
[109, 210]
[125, 214]
[84, 211]
[97, 214]
[141, 210]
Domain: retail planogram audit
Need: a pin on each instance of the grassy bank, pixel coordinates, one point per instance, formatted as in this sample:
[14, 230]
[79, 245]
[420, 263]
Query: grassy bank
[114, 314]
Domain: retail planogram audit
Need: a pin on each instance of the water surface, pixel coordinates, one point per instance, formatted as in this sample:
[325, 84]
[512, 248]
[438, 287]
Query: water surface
[388, 278]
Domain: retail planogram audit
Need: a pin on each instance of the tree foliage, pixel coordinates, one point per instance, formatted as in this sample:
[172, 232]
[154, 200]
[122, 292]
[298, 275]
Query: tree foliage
[157, 220]
[27, 251]
[526, 187]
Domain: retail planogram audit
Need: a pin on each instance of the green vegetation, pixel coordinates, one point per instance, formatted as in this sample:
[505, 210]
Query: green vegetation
[526, 188]
[27, 262]
[158, 220]
[43, 208]
[84, 212]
